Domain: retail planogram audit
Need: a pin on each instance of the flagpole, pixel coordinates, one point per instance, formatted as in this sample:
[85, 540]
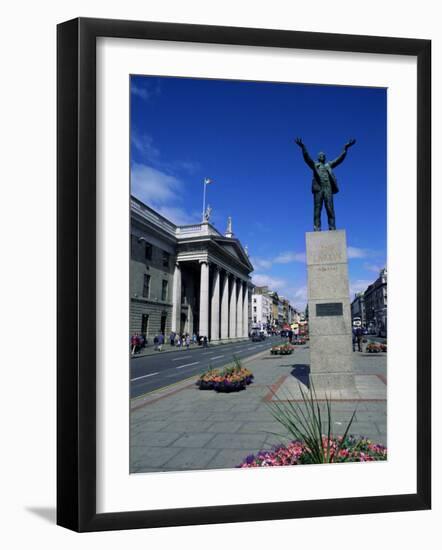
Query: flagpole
[204, 198]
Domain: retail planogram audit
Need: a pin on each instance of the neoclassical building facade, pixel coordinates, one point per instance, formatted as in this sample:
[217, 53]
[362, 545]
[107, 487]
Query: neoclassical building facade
[187, 279]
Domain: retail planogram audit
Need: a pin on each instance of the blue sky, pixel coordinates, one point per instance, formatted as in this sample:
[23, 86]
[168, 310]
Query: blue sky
[241, 134]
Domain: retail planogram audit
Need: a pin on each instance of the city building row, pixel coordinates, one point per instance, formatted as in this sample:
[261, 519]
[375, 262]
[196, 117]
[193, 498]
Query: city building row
[272, 311]
[187, 279]
[370, 307]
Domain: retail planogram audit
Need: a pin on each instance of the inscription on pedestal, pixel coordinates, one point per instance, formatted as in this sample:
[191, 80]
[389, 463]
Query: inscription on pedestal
[324, 254]
[331, 309]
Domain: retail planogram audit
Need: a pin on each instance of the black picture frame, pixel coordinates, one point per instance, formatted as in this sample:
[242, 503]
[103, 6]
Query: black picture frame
[76, 273]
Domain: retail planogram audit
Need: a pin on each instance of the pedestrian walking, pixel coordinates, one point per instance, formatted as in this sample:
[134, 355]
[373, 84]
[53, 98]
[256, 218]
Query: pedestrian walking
[359, 338]
[205, 342]
[160, 341]
[155, 343]
[354, 338]
[133, 344]
[187, 342]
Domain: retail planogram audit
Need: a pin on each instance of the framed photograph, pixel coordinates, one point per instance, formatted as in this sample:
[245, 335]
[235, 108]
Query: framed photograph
[233, 204]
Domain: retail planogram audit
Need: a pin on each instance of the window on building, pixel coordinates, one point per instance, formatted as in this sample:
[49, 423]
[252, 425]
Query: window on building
[146, 285]
[148, 251]
[163, 322]
[166, 259]
[164, 291]
[144, 324]
[254, 309]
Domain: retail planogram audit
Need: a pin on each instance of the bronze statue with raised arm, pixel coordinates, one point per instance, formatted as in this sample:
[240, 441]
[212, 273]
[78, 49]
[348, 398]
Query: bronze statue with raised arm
[324, 184]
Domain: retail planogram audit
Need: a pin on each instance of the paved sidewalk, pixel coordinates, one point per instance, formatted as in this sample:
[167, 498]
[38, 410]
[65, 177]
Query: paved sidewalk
[150, 349]
[184, 428]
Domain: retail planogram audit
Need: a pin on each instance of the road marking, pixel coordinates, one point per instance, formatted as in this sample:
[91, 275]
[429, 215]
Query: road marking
[217, 357]
[252, 347]
[208, 353]
[188, 365]
[181, 358]
[145, 376]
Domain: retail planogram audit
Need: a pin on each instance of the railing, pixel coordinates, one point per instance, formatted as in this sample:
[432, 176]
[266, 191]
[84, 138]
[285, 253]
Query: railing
[181, 231]
[153, 217]
[196, 229]
[188, 229]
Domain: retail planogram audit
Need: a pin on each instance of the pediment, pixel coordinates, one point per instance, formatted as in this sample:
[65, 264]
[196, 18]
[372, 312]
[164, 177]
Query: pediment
[234, 248]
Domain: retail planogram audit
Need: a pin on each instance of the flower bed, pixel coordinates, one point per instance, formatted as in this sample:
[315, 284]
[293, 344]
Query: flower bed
[352, 449]
[283, 349]
[299, 341]
[372, 347]
[230, 379]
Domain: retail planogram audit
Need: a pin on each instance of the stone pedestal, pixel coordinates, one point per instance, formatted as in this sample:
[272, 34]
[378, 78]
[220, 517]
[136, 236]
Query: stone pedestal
[330, 327]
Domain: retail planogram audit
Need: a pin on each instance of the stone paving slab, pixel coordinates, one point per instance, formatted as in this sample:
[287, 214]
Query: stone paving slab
[191, 459]
[368, 387]
[190, 429]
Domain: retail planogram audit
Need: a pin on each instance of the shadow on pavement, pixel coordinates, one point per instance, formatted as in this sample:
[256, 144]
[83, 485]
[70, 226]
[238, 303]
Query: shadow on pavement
[302, 374]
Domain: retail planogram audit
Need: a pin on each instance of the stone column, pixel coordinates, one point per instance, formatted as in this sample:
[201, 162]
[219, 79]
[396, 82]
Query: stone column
[225, 307]
[204, 299]
[214, 321]
[190, 320]
[239, 311]
[176, 299]
[232, 323]
[245, 323]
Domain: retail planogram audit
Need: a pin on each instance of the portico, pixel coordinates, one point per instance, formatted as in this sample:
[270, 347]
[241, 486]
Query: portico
[221, 300]
[196, 281]
[221, 288]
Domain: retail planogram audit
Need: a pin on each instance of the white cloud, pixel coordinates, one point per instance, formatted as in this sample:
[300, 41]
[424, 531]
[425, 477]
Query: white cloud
[153, 186]
[177, 215]
[261, 279]
[358, 285]
[260, 263]
[296, 295]
[145, 92]
[282, 258]
[376, 268]
[144, 145]
[162, 192]
[354, 252]
[288, 257]
[188, 166]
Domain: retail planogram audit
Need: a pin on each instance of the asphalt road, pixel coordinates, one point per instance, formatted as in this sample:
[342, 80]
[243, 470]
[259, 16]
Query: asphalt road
[152, 372]
[374, 338]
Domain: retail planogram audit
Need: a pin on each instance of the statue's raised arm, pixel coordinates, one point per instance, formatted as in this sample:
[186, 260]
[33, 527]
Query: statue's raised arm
[305, 154]
[342, 156]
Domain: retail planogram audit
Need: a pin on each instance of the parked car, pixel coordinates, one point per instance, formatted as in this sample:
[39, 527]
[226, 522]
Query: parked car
[258, 336]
